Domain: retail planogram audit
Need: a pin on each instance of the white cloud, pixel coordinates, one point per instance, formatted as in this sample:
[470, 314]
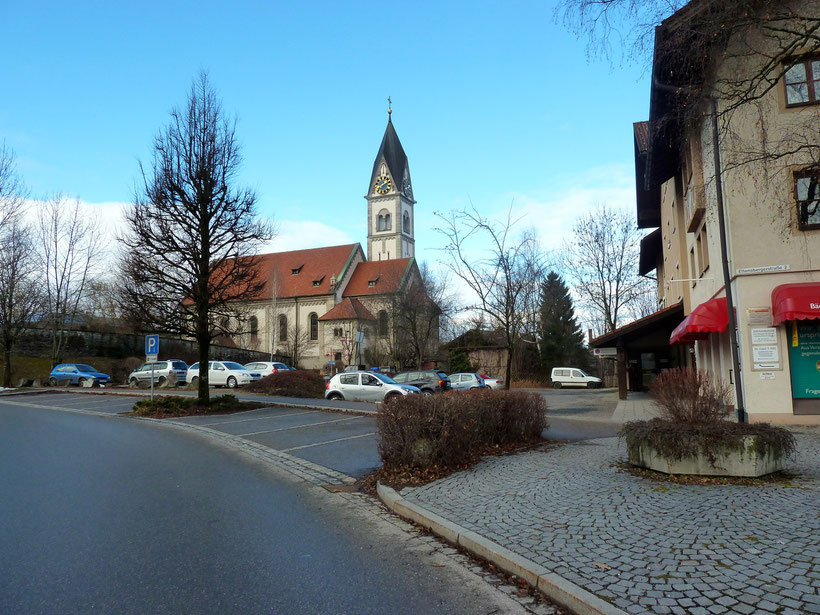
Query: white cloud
[304, 234]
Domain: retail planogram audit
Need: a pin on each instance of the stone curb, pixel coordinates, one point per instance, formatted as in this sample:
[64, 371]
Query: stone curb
[565, 593]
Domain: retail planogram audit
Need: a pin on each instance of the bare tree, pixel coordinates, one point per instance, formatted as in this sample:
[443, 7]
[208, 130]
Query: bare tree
[600, 262]
[191, 233]
[20, 295]
[12, 190]
[69, 244]
[499, 276]
[755, 41]
[296, 343]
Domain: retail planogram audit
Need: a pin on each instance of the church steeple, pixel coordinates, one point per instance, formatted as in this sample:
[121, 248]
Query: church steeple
[390, 215]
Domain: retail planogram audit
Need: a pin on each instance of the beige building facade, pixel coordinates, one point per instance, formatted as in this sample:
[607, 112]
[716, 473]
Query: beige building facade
[769, 169]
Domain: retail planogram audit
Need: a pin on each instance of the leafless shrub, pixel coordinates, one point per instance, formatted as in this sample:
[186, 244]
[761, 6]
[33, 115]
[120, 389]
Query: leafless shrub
[686, 395]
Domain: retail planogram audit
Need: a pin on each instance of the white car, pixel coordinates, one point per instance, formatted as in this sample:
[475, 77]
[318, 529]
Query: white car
[366, 386]
[266, 368]
[493, 383]
[573, 377]
[221, 373]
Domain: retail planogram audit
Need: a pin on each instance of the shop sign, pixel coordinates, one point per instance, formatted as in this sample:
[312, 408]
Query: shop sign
[605, 352]
[765, 354]
[766, 335]
[804, 357]
[759, 316]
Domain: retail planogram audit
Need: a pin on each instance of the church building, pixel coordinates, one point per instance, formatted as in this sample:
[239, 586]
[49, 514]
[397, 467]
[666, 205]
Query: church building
[335, 305]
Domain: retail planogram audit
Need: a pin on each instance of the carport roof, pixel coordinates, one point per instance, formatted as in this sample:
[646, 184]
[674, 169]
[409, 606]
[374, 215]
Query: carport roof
[653, 329]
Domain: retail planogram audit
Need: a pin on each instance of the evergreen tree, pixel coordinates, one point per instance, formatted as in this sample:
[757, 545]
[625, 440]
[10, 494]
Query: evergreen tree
[562, 341]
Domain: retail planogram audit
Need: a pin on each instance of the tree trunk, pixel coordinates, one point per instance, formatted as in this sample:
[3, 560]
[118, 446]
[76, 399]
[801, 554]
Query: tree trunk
[203, 340]
[508, 374]
[7, 367]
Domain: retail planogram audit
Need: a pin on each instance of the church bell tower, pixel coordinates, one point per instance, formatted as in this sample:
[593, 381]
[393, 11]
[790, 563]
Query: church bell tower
[390, 213]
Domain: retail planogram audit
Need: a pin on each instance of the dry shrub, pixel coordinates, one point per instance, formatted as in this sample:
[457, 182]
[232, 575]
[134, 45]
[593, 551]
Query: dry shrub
[121, 368]
[290, 384]
[450, 429]
[686, 395]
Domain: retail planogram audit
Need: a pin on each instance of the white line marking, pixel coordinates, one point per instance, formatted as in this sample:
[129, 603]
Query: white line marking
[253, 433]
[296, 448]
[260, 418]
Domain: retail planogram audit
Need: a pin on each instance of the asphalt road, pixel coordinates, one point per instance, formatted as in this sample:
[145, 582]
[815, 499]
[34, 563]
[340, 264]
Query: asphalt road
[580, 414]
[111, 515]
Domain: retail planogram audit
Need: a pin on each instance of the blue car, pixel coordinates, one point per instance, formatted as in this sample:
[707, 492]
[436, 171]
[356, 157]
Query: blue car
[76, 373]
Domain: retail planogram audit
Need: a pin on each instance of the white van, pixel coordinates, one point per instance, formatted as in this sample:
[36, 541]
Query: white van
[573, 377]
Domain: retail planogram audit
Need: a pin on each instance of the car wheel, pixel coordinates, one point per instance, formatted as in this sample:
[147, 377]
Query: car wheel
[391, 396]
[80, 382]
[592, 385]
[556, 385]
[231, 382]
[162, 380]
[52, 382]
[195, 381]
[133, 383]
[334, 396]
[426, 392]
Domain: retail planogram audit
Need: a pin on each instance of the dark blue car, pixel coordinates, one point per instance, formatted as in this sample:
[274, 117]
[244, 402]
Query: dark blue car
[76, 373]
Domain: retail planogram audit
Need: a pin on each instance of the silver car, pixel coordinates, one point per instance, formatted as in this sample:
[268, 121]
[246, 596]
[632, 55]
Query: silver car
[465, 381]
[366, 386]
[162, 370]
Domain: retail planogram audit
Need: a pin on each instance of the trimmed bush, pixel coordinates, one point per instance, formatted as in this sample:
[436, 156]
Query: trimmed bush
[451, 429]
[290, 384]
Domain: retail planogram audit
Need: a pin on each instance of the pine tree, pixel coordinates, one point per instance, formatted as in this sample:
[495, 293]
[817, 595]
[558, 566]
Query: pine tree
[562, 341]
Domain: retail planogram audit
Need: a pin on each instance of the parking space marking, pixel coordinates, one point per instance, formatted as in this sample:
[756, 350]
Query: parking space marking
[255, 433]
[297, 448]
[261, 418]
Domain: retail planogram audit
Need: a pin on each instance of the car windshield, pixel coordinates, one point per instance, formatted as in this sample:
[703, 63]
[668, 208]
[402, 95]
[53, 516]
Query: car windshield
[194, 366]
[85, 368]
[232, 365]
[383, 378]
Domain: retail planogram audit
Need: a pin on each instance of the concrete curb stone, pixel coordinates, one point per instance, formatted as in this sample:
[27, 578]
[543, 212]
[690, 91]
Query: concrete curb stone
[565, 593]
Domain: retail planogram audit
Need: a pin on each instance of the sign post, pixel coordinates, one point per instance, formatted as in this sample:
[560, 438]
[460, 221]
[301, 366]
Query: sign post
[151, 354]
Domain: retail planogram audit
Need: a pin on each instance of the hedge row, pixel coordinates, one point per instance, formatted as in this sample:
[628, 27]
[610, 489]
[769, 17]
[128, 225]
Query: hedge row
[450, 429]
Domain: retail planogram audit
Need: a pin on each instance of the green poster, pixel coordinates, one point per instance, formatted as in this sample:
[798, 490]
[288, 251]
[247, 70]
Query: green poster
[804, 357]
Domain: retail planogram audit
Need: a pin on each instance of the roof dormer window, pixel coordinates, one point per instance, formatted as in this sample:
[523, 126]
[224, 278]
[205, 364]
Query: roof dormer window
[319, 281]
[296, 270]
[373, 282]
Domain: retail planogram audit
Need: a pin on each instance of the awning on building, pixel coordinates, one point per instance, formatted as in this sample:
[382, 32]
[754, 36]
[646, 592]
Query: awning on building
[796, 302]
[709, 317]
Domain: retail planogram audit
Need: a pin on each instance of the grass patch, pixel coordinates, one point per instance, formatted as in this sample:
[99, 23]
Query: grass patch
[170, 406]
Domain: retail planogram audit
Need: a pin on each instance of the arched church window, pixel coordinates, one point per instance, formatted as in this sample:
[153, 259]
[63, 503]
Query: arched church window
[387, 223]
[283, 328]
[253, 324]
[406, 223]
[383, 221]
[382, 324]
[314, 326]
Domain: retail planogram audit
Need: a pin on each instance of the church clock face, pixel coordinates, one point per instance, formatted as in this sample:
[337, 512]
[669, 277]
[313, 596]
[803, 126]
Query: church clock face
[383, 184]
[405, 187]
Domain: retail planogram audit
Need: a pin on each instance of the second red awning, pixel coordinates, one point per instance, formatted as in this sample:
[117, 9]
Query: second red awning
[796, 302]
[709, 317]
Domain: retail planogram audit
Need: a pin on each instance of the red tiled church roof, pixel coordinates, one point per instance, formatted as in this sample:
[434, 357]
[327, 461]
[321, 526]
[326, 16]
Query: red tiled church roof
[349, 309]
[301, 273]
[378, 277]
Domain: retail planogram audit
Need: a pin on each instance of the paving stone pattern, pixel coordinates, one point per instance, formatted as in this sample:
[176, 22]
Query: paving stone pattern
[645, 546]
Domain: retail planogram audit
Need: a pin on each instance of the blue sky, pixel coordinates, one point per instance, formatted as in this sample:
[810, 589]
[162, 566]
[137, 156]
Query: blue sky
[494, 103]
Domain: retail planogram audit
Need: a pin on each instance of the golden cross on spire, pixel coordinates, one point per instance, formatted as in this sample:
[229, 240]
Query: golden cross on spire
[389, 106]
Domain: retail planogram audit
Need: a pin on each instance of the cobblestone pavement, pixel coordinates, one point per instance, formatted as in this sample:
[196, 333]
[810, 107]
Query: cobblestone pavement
[648, 547]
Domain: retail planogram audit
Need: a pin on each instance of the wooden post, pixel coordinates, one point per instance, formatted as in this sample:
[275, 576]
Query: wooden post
[621, 371]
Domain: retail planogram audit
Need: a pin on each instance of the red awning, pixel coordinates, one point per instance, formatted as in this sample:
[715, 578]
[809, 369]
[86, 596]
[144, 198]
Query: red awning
[796, 302]
[709, 317]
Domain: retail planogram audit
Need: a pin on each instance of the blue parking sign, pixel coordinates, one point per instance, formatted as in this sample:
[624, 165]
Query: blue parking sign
[151, 344]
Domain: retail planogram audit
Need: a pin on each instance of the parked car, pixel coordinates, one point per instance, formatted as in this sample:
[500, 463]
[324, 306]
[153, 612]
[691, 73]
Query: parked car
[428, 381]
[266, 368]
[464, 381]
[573, 377]
[76, 373]
[366, 386]
[222, 373]
[493, 383]
[163, 370]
